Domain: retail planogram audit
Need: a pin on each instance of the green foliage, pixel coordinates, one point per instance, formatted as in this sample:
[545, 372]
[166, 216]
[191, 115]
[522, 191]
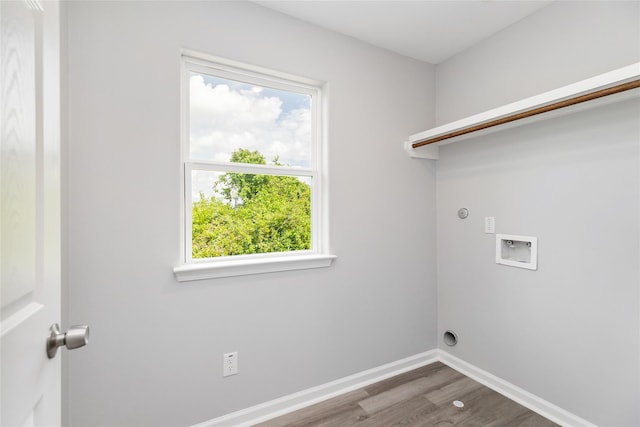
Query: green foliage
[242, 187]
[257, 213]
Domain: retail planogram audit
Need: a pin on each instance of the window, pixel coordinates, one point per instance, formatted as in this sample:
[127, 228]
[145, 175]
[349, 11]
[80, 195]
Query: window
[252, 155]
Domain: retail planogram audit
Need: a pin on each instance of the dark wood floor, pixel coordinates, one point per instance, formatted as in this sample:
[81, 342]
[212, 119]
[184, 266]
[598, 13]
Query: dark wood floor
[423, 397]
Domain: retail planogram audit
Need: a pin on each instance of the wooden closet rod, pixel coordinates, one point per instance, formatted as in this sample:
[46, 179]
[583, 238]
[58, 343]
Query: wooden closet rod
[534, 111]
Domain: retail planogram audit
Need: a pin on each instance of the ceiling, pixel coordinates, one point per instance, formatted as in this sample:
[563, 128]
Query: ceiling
[431, 31]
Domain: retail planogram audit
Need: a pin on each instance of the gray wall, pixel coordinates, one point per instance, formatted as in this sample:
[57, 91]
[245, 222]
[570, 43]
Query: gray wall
[156, 352]
[563, 43]
[568, 332]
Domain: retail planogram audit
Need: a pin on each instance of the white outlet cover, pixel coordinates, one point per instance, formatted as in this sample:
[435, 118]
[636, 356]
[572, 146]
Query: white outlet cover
[230, 364]
[489, 224]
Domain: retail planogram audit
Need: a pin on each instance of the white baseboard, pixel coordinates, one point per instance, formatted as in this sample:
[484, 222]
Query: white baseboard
[284, 405]
[515, 393]
[293, 402]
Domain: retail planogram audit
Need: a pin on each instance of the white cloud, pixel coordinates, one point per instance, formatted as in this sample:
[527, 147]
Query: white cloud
[223, 120]
[202, 182]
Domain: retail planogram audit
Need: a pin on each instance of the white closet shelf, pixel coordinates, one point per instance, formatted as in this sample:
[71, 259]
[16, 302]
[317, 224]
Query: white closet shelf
[613, 86]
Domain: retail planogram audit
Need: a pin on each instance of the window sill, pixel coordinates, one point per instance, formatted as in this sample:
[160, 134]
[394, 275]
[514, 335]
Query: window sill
[244, 267]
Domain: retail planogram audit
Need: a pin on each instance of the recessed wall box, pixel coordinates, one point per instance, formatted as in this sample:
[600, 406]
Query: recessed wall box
[517, 251]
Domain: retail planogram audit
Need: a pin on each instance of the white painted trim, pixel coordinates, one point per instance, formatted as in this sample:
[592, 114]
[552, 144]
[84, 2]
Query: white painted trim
[268, 76]
[293, 402]
[250, 265]
[202, 165]
[602, 81]
[513, 392]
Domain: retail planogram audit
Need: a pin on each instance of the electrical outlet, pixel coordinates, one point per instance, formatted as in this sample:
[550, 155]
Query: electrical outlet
[230, 364]
[489, 224]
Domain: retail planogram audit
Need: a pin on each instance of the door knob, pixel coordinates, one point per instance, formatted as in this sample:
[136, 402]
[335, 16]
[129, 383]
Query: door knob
[76, 336]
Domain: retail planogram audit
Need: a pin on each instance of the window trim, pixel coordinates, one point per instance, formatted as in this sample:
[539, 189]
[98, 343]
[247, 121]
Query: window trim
[209, 268]
[244, 267]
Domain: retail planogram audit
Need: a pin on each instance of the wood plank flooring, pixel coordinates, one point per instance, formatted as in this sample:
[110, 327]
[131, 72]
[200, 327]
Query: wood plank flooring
[422, 397]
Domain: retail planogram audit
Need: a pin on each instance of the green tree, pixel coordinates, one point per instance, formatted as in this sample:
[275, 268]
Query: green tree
[258, 213]
[242, 187]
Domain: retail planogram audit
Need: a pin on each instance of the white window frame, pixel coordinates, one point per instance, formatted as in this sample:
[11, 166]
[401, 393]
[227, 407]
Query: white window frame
[237, 265]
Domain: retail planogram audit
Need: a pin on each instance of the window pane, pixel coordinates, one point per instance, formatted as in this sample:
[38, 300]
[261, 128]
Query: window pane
[202, 184]
[241, 213]
[226, 115]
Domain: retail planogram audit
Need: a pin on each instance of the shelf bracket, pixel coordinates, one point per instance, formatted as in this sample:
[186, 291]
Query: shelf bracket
[429, 152]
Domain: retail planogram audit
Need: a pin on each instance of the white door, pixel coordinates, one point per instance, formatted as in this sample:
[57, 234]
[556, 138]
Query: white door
[30, 211]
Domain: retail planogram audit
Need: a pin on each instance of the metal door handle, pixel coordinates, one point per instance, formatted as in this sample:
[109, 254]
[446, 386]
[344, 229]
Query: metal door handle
[76, 336]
